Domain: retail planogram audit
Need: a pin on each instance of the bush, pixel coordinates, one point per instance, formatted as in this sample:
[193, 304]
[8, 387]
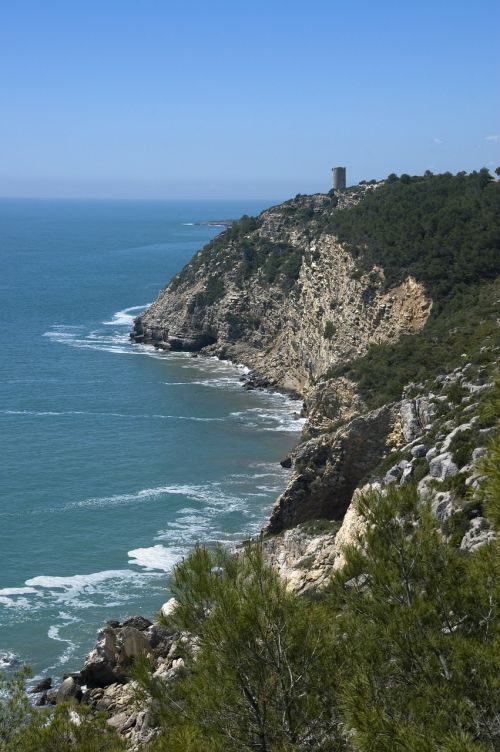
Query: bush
[262, 675]
[329, 330]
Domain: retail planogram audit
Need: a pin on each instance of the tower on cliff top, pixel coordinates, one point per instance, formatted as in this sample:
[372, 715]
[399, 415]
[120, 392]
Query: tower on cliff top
[339, 178]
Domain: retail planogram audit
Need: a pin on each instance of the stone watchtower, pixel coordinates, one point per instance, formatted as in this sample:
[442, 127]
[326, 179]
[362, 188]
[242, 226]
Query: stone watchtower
[339, 178]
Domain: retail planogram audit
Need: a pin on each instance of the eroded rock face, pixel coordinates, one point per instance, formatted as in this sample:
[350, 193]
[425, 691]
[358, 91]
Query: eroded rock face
[330, 467]
[303, 558]
[289, 337]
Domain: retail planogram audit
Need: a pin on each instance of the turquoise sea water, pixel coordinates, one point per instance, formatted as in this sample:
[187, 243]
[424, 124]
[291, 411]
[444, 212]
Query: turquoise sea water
[115, 459]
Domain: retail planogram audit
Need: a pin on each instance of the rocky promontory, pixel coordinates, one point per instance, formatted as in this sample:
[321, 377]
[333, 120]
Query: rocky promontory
[378, 305]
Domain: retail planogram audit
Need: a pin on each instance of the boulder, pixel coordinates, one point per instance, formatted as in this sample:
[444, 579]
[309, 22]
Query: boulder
[42, 686]
[137, 622]
[441, 506]
[160, 639]
[433, 452]
[418, 451]
[69, 690]
[100, 667]
[477, 535]
[410, 422]
[132, 643]
[169, 607]
[478, 453]
[442, 466]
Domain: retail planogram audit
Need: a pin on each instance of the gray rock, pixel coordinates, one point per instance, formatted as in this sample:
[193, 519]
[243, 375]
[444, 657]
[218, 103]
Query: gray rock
[423, 487]
[478, 452]
[478, 388]
[441, 506]
[433, 452]
[459, 429]
[406, 476]
[442, 466]
[474, 481]
[133, 643]
[119, 720]
[419, 450]
[393, 474]
[100, 665]
[69, 690]
[330, 469]
[470, 408]
[42, 686]
[409, 420]
[160, 639]
[137, 622]
[477, 535]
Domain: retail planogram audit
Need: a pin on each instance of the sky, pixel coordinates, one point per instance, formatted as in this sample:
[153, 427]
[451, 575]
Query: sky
[235, 99]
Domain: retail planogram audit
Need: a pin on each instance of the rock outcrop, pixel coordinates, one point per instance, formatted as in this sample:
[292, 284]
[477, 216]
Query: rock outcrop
[329, 468]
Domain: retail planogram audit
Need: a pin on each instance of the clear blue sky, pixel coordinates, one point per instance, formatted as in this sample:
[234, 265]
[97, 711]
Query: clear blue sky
[221, 98]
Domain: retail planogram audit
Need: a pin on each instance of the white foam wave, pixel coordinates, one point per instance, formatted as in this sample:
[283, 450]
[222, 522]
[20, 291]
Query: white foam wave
[18, 603]
[155, 557]
[70, 587]
[126, 316]
[8, 659]
[53, 634]
[205, 493]
[17, 591]
[52, 413]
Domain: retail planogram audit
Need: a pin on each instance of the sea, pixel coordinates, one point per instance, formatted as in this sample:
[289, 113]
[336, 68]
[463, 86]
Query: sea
[115, 459]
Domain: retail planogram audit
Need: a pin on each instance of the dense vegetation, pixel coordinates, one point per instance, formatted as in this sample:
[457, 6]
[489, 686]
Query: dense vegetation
[392, 656]
[442, 229]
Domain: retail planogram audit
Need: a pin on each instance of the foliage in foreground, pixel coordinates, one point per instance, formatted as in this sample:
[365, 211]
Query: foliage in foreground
[261, 678]
[401, 653]
[67, 728]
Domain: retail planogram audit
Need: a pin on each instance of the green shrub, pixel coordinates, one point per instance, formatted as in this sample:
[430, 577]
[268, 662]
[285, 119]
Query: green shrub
[261, 679]
[400, 653]
[329, 330]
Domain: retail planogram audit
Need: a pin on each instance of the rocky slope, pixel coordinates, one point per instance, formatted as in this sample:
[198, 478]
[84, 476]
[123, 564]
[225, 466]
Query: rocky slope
[440, 432]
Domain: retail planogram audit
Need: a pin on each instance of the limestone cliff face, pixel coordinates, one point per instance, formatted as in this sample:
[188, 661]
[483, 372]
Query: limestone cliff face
[284, 298]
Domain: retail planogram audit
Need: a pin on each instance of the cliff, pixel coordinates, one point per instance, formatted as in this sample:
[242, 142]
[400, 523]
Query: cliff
[344, 299]
[284, 298]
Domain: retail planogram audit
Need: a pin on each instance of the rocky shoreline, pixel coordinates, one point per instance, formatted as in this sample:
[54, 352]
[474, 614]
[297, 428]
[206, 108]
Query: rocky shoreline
[290, 328]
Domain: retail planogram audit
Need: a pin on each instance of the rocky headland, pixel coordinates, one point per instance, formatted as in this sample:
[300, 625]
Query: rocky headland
[393, 347]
